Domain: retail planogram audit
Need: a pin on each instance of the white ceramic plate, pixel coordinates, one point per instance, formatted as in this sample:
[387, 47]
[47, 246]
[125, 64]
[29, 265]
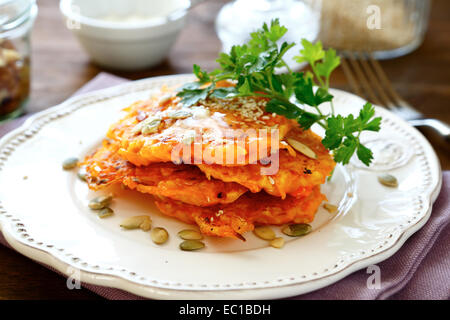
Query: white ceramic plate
[45, 215]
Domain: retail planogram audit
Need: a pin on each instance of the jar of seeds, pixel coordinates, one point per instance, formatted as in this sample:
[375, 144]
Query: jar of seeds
[386, 28]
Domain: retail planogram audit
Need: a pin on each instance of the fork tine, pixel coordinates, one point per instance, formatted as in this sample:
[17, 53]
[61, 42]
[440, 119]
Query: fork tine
[388, 84]
[374, 80]
[362, 79]
[351, 79]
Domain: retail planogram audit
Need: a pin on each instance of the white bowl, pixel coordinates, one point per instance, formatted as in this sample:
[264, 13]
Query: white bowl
[126, 34]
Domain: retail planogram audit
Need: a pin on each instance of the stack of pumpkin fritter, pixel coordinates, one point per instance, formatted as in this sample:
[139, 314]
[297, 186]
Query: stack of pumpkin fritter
[202, 184]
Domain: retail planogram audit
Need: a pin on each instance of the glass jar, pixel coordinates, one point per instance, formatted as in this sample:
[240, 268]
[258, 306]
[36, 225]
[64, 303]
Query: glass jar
[387, 28]
[16, 20]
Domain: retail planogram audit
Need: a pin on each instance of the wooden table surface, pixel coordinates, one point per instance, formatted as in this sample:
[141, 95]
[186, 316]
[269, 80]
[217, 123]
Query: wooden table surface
[60, 67]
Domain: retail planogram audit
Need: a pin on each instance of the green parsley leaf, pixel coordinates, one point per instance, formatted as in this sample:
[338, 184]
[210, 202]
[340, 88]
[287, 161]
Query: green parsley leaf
[201, 75]
[224, 93]
[310, 53]
[192, 96]
[275, 32]
[364, 154]
[366, 117]
[291, 111]
[329, 64]
[344, 153]
[304, 92]
[244, 87]
[348, 129]
[283, 108]
[334, 133]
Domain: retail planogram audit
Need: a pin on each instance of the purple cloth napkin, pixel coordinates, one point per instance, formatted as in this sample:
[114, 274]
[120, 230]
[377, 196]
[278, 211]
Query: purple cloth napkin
[419, 270]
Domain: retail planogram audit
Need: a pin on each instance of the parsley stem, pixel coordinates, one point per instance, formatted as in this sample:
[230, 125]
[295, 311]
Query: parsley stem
[322, 125]
[255, 94]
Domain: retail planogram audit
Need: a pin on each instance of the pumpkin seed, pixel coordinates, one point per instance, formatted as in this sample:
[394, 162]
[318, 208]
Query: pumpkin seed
[143, 222]
[277, 243]
[188, 234]
[100, 202]
[296, 230]
[191, 245]
[147, 126]
[388, 180]
[300, 147]
[331, 208]
[70, 163]
[159, 235]
[151, 126]
[180, 114]
[264, 232]
[105, 212]
[138, 128]
[146, 225]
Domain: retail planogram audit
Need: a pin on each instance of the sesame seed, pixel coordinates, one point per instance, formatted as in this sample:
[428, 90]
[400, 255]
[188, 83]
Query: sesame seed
[271, 180]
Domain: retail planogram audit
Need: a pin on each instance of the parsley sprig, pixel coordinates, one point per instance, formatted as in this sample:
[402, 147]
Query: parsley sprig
[253, 67]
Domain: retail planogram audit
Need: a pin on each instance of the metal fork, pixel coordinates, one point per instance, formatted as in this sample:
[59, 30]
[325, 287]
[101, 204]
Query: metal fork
[368, 80]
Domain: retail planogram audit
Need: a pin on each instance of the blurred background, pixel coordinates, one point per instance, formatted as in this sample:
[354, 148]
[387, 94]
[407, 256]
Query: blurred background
[60, 65]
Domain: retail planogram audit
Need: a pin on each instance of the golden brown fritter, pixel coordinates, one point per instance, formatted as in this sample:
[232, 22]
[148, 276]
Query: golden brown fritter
[234, 219]
[163, 130]
[184, 183]
[297, 173]
[203, 186]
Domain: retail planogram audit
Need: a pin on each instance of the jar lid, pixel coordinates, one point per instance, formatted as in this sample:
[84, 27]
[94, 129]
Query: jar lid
[14, 13]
